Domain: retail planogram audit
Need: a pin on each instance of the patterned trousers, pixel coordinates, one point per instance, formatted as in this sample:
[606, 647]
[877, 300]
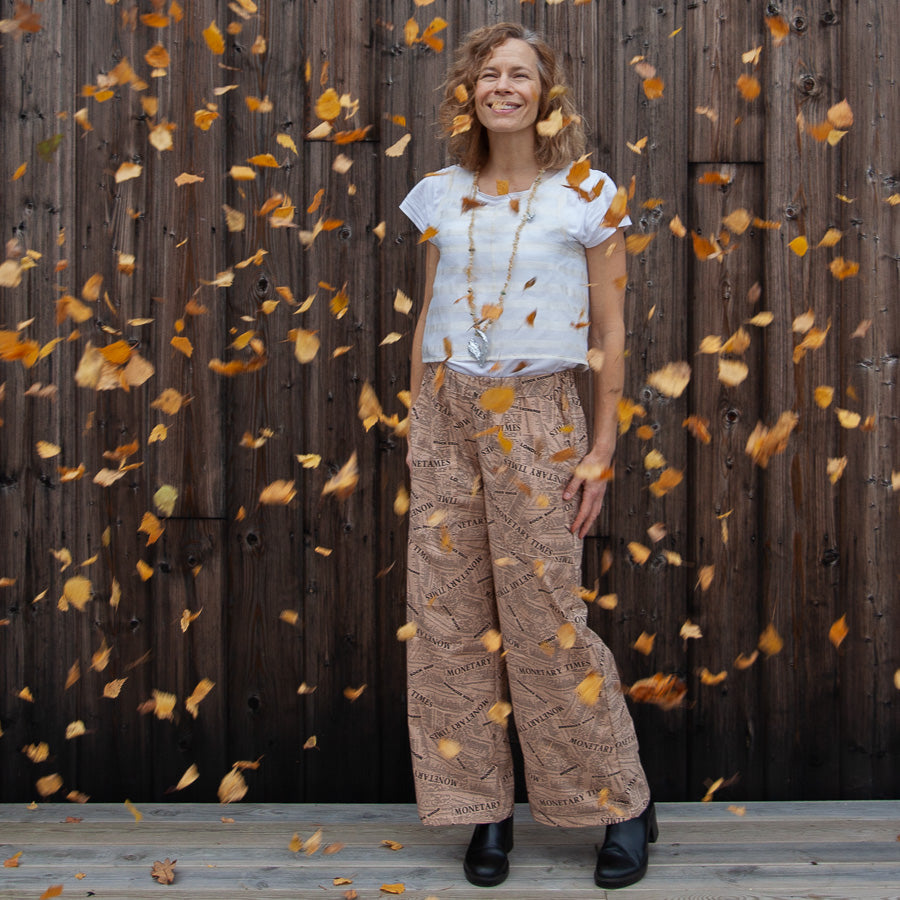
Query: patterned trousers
[490, 551]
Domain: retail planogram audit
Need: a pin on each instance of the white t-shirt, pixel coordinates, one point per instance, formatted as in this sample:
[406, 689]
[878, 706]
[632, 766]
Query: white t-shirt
[543, 326]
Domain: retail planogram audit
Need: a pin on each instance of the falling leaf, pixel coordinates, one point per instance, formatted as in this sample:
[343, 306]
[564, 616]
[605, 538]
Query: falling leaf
[399, 147]
[764, 443]
[835, 468]
[588, 689]
[708, 678]
[705, 577]
[799, 245]
[278, 492]
[842, 269]
[343, 484]
[398, 888]
[744, 662]
[497, 399]
[164, 499]
[667, 480]
[671, 379]
[732, 372]
[190, 776]
[77, 591]
[353, 694]
[690, 631]
[233, 787]
[838, 631]
[749, 86]
[653, 88]
[665, 691]
[847, 418]
[53, 891]
[406, 632]
[778, 28]
[770, 641]
[204, 686]
[112, 689]
[644, 643]
[448, 748]
[128, 171]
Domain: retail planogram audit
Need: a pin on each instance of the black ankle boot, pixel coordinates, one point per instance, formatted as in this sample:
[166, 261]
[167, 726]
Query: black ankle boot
[486, 864]
[622, 860]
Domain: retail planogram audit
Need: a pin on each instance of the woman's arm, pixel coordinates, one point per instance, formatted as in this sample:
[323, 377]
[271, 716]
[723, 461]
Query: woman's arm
[417, 367]
[606, 275]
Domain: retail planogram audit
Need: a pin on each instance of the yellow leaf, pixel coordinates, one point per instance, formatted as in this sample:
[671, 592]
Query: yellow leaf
[639, 553]
[799, 245]
[588, 689]
[448, 748]
[708, 678]
[671, 379]
[644, 643]
[732, 372]
[749, 86]
[328, 106]
[144, 570]
[497, 399]
[690, 631]
[232, 787]
[406, 632]
[214, 39]
[242, 173]
[842, 269]
[127, 171]
[306, 345]
[112, 689]
[847, 418]
[183, 345]
[77, 591]
[823, 396]
[19, 172]
[565, 635]
[770, 641]
[653, 88]
[398, 888]
[278, 492]
[264, 160]
[835, 468]
[398, 147]
[841, 115]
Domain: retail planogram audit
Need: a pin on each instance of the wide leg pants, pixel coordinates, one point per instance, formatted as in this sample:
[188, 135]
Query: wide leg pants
[490, 550]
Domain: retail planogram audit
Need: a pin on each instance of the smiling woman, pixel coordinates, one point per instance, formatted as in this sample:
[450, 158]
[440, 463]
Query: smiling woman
[524, 283]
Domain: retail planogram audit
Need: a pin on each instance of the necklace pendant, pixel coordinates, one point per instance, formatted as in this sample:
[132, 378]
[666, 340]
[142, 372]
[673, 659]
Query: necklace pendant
[478, 347]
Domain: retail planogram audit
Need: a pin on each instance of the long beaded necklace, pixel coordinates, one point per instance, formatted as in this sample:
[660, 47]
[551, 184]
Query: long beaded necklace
[478, 345]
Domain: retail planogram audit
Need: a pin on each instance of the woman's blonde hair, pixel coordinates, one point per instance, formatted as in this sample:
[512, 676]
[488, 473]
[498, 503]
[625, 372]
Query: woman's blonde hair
[470, 148]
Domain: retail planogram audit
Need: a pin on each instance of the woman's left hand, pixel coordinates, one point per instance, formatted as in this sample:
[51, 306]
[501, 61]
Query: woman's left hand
[591, 478]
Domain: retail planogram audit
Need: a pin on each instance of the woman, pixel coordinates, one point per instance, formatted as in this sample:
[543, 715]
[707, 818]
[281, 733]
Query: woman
[524, 273]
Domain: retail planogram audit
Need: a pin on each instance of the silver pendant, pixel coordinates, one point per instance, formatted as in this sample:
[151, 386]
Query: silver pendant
[478, 347]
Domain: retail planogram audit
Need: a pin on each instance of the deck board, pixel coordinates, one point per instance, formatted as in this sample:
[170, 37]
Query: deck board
[776, 850]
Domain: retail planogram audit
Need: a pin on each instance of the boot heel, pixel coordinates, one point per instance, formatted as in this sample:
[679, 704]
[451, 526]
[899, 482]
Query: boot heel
[653, 831]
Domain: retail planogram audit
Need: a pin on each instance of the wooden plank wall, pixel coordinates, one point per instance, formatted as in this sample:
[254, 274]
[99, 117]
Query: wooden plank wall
[312, 591]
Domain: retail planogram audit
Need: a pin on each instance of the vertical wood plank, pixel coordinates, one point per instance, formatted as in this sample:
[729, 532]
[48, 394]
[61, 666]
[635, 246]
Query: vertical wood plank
[870, 512]
[802, 519]
[725, 720]
[729, 128]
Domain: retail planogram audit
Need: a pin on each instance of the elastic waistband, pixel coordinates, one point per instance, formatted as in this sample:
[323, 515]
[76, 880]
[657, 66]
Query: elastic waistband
[465, 385]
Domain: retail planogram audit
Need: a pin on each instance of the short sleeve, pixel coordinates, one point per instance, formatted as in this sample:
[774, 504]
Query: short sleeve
[418, 205]
[592, 231]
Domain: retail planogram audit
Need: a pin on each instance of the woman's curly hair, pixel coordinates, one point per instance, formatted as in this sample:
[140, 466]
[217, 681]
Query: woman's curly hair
[470, 148]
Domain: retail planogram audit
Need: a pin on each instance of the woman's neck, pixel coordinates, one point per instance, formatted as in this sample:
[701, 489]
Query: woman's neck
[511, 159]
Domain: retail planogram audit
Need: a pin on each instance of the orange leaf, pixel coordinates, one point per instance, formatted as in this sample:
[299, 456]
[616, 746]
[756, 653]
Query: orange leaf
[653, 88]
[838, 631]
[779, 29]
[497, 399]
[749, 87]
[214, 39]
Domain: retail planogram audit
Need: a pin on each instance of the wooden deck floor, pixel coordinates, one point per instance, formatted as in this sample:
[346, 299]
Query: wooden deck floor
[847, 850]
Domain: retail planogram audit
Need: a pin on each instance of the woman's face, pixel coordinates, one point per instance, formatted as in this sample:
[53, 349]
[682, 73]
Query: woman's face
[508, 88]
